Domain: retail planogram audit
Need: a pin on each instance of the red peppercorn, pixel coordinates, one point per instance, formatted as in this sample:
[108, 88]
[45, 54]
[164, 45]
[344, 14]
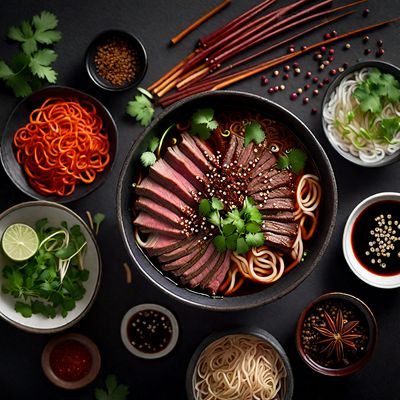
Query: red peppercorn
[365, 12]
[271, 90]
[315, 92]
[291, 50]
[264, 80]
[379, 43]
[331, 51]
[308, 74]
[332, 72]
[286, 67]
[293, 96]
[323, 49]
[303, 47]
[327, 36]
[365, 39]
[285, 77]
[321, 85]
[326, 81]
[276, 88]
[345, 65]
[307, 86]
[306, 100]
[315, 79]
[380, 52]
[314, 111]
[334, 33]
[296, 65]
[367, 51]
[330, 58]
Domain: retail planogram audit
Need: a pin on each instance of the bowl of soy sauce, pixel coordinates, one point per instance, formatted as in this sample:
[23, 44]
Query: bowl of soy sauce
[371, 240]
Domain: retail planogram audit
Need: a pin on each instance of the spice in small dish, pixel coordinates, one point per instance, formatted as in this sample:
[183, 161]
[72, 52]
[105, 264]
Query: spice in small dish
[149, 331]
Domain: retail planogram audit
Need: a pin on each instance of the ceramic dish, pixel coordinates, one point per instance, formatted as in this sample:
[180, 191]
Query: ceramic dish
[368, 321]
[57, 343]
[137, 47]
[165, 315]
[29, 213]
[384, 68]
[372, 278]
[316, 246]
[19, 118]
[254, 332]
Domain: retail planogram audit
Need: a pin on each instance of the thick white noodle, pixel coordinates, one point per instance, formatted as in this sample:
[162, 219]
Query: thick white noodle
[339, 105]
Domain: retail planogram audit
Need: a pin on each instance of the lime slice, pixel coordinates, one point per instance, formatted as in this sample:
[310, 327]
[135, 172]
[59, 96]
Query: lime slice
[20, 242]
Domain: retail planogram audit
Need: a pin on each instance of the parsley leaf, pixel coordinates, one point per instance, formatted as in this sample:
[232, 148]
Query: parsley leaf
[203, 123]
[113, 391]
[204, 207]
[254, 132]
[148, 158]
[154, 142]
[141, 109]
[295, 159]
[220, 243]
[40, 62]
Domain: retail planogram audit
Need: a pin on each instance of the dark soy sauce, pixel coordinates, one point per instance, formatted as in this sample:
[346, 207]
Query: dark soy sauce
[150, 331]
[375, 238]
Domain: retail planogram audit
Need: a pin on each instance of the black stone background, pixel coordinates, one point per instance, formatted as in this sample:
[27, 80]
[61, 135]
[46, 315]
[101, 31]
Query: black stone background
[155, 21]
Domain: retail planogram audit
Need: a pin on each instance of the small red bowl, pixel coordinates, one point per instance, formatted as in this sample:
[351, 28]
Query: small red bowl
[372, 334]
[94, 368]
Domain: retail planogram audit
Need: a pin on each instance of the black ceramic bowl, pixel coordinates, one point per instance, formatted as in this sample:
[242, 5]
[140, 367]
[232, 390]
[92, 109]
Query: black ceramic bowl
[383, 67]
[316, 245]
[246, 330]
[20, 116]
[136, 46]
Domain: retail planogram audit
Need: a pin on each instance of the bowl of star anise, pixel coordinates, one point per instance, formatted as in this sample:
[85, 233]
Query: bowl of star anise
[336, 334]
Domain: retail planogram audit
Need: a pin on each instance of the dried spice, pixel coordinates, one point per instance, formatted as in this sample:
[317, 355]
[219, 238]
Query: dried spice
[116, 61]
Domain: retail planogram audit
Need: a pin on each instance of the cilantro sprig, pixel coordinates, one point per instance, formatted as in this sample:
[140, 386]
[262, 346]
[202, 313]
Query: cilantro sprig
[253, 133]
[239, 230]
[203, 123]
[141, 108]
[113, 390]
[51, 282]
[294, 159]
[29, 68]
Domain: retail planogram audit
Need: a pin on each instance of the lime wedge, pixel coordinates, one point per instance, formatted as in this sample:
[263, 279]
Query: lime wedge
[20, 242]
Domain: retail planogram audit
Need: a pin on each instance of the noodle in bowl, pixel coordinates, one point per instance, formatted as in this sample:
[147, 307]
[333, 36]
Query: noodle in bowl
[246, 365]
[340, 102]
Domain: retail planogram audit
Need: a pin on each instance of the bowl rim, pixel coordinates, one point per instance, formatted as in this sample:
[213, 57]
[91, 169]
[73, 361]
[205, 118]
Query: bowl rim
[234, 305]
[88, 188]
[43, 203]
[93, 75]
[239, 330]
[383, 282]
[373, 331]
[332, 86]
[87, 379]
[156, 307]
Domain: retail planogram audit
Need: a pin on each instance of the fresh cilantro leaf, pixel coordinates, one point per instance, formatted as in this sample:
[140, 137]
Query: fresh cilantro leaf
[255, 239]
[297, 159]
[217, 204]
[45, 23]
[111, 383]
[100, 394]
[254, 132]
[220, 242]
[241, 246]
[214, 218]
[141, 109]
[98, 220]
[24, 309]
[231, 241]
[154, 142]
[40, 62]
[252, 227]
[113, 391]
[283, 162]
[5, 70]
[389, 128]
[253, 215]
[148, 158]
[203, 123]
[19, 85]
[228, 229]
[200, 130]
[204, 207]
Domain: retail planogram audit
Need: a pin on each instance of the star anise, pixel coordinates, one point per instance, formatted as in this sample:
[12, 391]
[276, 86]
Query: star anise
[338, 334]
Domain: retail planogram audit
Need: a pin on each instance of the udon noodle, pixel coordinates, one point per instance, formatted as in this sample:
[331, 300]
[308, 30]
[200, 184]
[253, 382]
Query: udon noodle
[239, 367]
[335, 116]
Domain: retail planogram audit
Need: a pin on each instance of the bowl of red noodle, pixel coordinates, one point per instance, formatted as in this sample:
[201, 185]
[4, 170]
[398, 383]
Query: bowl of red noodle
[226, 223]
[242, 363]
[59, 144]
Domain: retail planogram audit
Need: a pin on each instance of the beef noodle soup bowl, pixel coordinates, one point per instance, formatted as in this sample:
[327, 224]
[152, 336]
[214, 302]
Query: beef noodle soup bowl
[226, 201]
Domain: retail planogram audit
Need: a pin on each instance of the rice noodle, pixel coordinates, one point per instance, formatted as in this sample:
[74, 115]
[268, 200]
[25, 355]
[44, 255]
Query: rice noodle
[239, 367]
[337, 108]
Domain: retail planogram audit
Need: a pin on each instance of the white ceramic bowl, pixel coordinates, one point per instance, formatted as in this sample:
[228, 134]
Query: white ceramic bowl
[384, 282]
[156, 307]
[28, 213]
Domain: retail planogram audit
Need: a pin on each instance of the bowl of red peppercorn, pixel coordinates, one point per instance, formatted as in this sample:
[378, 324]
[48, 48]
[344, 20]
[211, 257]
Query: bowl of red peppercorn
[116, 60]
[336, 334]
[71, 361]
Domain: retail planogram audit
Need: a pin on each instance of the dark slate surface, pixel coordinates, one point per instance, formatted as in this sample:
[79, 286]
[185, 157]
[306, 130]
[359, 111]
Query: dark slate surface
[155, 22]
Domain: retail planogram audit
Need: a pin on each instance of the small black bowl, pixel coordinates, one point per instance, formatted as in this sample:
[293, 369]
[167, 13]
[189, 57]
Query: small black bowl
[20, 117]
[135, 44]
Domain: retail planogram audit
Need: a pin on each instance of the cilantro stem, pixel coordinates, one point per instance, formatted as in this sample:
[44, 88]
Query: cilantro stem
[158, 153]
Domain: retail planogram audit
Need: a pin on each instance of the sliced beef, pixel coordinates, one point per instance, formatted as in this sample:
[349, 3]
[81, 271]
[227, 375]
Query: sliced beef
[212, 283]
[284, 228]
[153, 190]
[156, 210]
[182, 264]
[274, 205]
[165, 175]
[282, 216]
[239, 148]
[206, 150]
[184, 166]
[281, 192]
[181, 251]
[149, 224]
[262, 182]
[192, 151]
[280, 242]
[266, 160]
[246, 155]
[271, 181]
[228, 157]
[158, 244]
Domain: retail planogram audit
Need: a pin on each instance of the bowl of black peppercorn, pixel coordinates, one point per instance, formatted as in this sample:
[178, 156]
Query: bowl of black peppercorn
[336, 334]
[116, 60]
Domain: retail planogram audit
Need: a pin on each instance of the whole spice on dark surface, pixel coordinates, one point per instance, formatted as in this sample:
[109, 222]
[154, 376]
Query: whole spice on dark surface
[379, 43]
[314, 111]
[380, 52]
[308, 74]
[150, 331]
[70, 360]
[334, 334]
[365, 12]
[315, 92]
[285, 77]
[347, 46]
[307, 86]
[365, 39]
[264, 80]
[306, 100]
[293, 96]
[116, 61]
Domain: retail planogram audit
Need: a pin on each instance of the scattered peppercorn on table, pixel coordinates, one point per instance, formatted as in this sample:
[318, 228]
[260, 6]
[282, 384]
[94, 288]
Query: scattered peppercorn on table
[297, 84]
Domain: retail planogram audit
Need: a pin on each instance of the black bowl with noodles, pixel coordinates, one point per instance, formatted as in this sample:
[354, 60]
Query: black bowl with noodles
[20, 117]
[315, 246]
[245, 332]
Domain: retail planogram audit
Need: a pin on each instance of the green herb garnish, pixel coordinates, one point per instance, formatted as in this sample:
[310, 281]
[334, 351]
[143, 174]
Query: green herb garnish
[141, 109]
[203, 123]
[254, 132]
[239, 230]
[51, 281]
[294, 159]
[113, 390]
[32, 66]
